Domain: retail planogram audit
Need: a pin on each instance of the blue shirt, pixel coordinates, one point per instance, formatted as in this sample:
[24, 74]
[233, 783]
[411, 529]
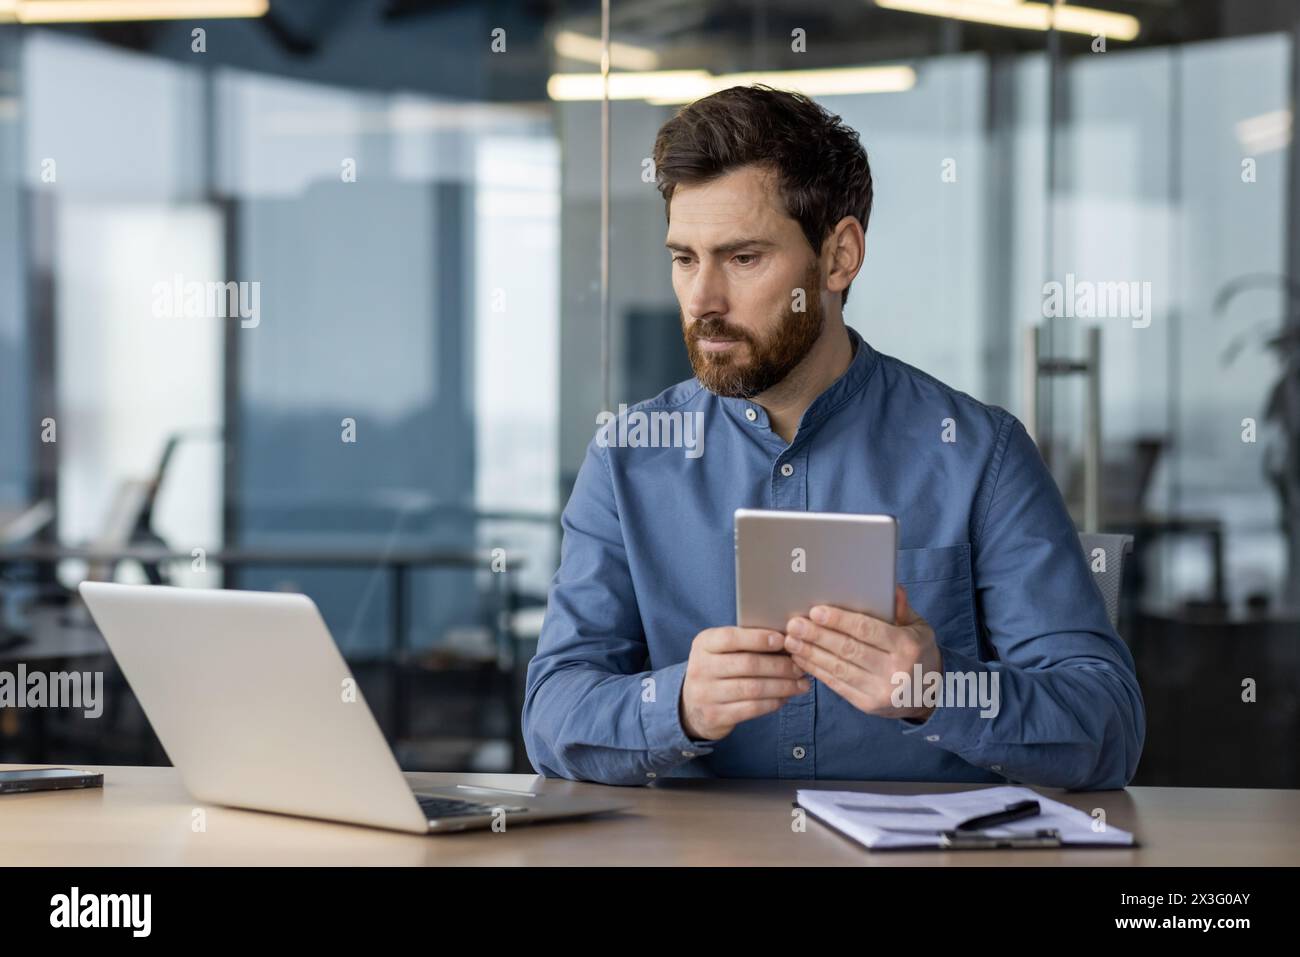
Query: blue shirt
[987, 553]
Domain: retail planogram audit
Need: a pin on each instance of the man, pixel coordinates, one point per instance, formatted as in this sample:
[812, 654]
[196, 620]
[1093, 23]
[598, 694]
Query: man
[638, 674]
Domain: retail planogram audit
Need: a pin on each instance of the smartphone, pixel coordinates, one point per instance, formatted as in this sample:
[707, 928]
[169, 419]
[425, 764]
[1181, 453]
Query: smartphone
[787, 562]
[48, 779]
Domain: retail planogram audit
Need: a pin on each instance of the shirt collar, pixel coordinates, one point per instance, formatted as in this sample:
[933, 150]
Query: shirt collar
[751, 414]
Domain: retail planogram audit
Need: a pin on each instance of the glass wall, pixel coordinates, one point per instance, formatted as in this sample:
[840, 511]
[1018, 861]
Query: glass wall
[1166, 186]
[426, 255]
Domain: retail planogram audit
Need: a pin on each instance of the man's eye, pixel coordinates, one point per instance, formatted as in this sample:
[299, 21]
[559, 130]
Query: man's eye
[682, 260]
[748, 257]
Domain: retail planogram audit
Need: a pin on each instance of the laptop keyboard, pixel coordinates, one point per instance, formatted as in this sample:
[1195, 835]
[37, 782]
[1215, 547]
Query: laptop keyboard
[440, 807]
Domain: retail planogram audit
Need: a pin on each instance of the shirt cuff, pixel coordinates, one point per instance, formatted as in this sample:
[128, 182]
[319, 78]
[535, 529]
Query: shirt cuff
[661, 715]
[954, 729]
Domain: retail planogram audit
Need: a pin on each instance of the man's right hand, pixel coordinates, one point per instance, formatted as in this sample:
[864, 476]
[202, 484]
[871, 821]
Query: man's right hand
[733, 675]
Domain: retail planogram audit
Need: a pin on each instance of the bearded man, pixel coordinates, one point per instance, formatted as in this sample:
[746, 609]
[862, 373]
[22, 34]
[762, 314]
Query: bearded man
[640, 673]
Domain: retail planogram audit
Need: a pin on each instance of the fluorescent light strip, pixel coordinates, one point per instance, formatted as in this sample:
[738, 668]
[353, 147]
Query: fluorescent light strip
[623, 56]
[94, 11]
[829, 82]
[683, 86]
[627, 86]
[1025, 16]
[1266, 133]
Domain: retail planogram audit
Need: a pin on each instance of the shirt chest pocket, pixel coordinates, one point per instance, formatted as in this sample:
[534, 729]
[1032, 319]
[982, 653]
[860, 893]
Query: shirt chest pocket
[938, 585]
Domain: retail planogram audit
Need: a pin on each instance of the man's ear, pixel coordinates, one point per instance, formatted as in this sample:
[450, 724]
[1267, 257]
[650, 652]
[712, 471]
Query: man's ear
[847, 245]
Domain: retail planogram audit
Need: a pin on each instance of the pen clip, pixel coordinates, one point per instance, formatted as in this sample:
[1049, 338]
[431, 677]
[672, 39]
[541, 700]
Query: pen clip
[966, 840]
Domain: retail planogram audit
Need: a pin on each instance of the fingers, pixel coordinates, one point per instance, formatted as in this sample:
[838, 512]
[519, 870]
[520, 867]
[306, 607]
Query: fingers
[732, 690]
[846, 690]
[818, 660]
[868, 630]
[743, 664]
[721, 640]
[736, 712]
[904, 614]
[804, 634]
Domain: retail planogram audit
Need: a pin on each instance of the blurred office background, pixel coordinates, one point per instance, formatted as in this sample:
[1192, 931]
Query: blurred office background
[459, 262]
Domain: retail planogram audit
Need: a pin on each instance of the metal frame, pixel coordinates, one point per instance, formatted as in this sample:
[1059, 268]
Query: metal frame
[1037, 367]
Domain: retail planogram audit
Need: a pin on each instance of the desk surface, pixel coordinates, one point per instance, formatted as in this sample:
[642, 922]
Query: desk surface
[144, 817]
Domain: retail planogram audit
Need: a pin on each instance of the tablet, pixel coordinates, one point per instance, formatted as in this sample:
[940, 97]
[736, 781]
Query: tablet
[787, 562]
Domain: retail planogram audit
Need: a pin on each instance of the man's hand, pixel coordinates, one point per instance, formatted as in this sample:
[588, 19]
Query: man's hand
[733, 675]
[857, 656]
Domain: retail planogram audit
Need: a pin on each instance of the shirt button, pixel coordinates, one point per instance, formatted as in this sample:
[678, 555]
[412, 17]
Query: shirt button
[798, 753]
[751, 414]
[787, 470]
[651, 774]
[932, 737]
[688, 754]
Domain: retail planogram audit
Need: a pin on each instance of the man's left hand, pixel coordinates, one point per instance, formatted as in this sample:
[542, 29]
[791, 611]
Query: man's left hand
[857, 656]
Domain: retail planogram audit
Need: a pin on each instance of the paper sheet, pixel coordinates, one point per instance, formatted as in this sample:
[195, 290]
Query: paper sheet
[915, 820]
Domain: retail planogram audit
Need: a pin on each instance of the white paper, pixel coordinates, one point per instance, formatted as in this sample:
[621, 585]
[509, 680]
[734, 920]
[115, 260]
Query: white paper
[915, 820]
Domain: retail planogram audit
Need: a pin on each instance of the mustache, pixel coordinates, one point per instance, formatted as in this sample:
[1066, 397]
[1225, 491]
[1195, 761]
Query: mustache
[717, 329]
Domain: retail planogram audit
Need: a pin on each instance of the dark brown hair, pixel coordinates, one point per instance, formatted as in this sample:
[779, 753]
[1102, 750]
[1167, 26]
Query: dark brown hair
[822, 170]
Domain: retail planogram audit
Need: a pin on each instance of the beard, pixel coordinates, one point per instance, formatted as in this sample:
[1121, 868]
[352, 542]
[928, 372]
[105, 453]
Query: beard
[768, 360]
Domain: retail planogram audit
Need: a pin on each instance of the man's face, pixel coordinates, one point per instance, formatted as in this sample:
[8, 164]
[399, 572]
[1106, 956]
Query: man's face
[738, 261]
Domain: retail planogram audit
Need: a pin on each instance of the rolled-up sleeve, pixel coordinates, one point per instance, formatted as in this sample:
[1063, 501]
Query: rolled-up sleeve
[1069, 711]
[591, 709]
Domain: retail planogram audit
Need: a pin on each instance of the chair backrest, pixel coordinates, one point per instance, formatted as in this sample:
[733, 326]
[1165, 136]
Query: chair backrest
[1105, 555]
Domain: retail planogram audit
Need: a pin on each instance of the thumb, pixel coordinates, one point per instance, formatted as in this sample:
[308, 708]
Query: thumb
[903, 612]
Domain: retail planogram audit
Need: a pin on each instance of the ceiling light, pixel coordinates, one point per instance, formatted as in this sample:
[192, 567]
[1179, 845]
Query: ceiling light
[1025, 16]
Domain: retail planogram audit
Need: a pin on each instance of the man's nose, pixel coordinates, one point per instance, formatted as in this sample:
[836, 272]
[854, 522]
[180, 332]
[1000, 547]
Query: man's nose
[708, 294]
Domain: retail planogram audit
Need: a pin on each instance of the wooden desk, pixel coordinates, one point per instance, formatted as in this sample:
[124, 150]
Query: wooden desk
[143, 817]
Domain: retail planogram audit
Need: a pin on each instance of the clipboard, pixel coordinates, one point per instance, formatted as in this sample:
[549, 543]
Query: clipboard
[1042, 838]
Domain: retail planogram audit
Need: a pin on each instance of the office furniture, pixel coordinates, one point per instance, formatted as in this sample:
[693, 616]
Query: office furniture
[1114, 549]
[1034, 369]
[398, 563]
[144, 817]
[1222, 699]
[20, 524]
[68, 641]
[1147, 528]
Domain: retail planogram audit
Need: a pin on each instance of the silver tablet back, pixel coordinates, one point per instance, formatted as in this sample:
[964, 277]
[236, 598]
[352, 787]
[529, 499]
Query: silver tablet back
[787, 562]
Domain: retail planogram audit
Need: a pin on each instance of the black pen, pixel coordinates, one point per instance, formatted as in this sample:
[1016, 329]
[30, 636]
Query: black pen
[1012, 812]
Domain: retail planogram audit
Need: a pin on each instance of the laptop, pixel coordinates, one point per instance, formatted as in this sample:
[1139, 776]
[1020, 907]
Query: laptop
[257, 709]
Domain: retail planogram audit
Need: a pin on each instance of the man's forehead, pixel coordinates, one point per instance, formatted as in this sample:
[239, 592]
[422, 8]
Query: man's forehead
[744, 197]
